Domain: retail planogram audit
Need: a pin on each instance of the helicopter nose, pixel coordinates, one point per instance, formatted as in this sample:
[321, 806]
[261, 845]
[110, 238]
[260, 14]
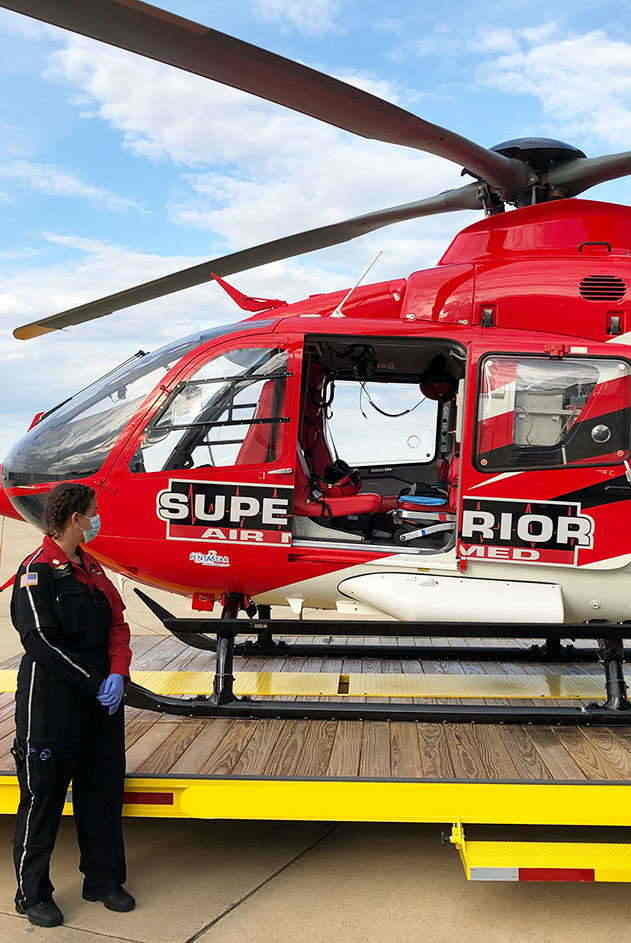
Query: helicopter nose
[20, 498]
[52, 451]
[6, 508]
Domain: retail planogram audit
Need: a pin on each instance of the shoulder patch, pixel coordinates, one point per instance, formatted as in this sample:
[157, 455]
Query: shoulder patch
[28, 579]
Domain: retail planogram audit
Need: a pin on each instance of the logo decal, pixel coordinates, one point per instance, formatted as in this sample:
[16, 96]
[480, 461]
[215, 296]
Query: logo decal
[226, 512]
[518, 531]
[210, 558]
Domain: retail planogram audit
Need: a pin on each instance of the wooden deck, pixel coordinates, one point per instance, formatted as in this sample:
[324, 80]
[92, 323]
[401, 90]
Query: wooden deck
[163, 746]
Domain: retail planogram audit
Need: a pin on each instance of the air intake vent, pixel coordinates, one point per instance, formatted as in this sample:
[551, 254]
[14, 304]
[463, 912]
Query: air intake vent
[602, 288]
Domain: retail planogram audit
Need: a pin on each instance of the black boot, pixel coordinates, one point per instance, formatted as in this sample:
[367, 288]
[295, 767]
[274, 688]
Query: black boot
[44, 914]
[118, 899]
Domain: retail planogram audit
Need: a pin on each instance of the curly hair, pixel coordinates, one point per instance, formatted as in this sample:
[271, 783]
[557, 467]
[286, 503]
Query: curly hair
[62, 502]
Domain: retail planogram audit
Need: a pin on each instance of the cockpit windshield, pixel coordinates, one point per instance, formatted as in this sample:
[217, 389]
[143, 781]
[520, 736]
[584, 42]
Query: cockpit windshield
[74, 439]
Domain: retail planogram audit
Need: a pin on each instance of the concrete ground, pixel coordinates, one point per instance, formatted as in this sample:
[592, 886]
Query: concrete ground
[253, 882]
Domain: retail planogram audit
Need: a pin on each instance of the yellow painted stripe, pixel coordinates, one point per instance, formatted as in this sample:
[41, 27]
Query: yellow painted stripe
[363, 801]
[264, 683]
[8, 680]
[304, 684]
[288, 683]
[611, 862]
[477, 686]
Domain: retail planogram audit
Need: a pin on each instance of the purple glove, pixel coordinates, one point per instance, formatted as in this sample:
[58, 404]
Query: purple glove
[111, 693]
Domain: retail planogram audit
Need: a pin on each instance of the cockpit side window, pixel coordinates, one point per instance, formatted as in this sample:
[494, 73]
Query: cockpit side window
[74, 439]
[229, 412]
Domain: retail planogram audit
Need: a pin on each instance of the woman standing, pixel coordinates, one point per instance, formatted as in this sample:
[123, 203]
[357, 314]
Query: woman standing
[69, 715]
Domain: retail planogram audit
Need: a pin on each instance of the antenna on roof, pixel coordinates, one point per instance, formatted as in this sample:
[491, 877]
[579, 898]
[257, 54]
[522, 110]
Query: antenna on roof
[337, 311]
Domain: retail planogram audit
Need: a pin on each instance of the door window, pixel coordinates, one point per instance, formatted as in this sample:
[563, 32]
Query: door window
[541, 412]
[373, 423]
[229, 412]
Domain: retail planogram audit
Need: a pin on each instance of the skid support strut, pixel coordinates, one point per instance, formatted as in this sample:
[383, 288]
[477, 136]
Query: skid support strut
[223, 682]
[611, 652]
[265, 643]
[552, 650]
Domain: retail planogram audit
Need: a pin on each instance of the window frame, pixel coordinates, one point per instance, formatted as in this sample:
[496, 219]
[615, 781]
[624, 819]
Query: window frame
[536, 355]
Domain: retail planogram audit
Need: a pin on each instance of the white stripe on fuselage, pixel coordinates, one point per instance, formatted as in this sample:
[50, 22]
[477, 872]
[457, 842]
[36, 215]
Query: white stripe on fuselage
[489, 481]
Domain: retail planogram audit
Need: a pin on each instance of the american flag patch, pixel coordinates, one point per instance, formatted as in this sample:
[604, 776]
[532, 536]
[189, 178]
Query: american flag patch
[28, 579]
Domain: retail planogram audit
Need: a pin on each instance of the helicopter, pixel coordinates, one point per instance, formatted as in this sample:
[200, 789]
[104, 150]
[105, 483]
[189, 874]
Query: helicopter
[450, 446]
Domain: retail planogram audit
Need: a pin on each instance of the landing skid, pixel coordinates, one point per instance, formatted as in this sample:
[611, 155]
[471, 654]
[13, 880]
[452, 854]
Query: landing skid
[241, 707]
[534, 653]
[223, 702]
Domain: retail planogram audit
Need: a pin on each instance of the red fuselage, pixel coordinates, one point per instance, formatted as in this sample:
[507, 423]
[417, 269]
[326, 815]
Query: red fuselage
[527, 283]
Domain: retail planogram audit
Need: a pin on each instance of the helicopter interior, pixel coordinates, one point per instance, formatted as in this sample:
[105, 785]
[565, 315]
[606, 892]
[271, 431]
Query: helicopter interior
[377, 445]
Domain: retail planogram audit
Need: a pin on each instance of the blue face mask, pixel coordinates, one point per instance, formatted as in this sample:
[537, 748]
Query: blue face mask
[93, 529]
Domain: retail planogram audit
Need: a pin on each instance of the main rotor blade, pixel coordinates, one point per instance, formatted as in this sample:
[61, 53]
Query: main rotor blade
[581, 174]
[158, 34]
[464, 198]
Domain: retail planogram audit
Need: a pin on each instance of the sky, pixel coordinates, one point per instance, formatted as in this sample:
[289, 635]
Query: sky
[115, 169]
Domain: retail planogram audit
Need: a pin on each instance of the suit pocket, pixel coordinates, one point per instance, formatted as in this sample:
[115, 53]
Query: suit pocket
[38, 767]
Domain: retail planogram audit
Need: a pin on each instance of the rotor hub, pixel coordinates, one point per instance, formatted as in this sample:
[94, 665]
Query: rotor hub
[541, 154]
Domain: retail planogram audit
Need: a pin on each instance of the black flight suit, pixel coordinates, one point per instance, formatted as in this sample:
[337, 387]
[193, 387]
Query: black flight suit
[65, 616]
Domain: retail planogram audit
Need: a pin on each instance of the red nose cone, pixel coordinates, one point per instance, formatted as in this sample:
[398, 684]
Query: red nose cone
[6, 508]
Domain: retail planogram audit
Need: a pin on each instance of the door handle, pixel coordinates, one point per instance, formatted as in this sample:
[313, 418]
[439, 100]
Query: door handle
[621, 489]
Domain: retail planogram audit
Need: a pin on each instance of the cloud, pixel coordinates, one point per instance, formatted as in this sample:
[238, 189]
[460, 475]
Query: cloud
[17, 254]
[55, 182]
[582, 81]
[394, 25]
[244, 171]
[92, 246]
[307, 16]
[443, 43]
[165, 113]
[537, 34]
[348, 180]
[97, 269]
[497, 40]
[39, 373]
[251, 171]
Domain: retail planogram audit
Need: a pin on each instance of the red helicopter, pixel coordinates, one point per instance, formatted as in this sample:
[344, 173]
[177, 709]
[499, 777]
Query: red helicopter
[450, 449]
